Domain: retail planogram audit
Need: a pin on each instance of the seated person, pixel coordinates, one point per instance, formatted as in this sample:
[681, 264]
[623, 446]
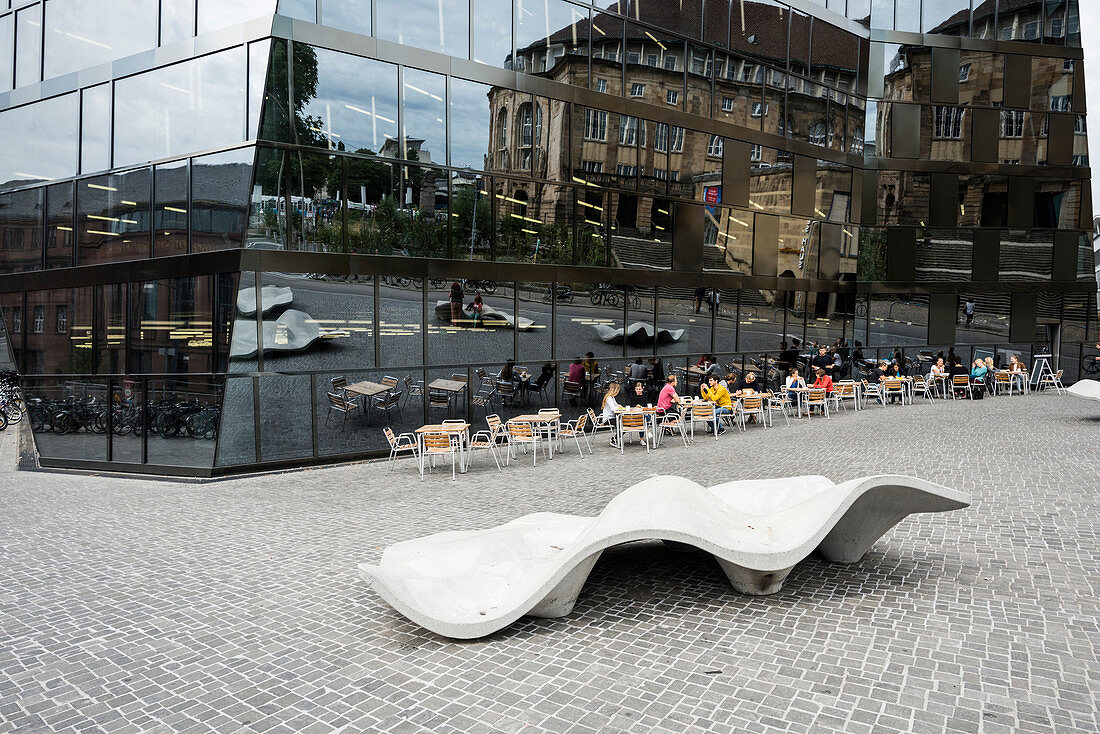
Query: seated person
[669, 400]
[794, 379]
[638, 396]
[718, 395]
[545, 376]
[1015, 365]
[636, 371]
[823, 380]
[749, 382]
[938, 368]
[978, 371]
[576, 371]
[787, 357]
[729, 381]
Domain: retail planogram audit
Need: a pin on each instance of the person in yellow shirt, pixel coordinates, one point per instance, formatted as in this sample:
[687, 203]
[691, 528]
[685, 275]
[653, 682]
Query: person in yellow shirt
[716, 393]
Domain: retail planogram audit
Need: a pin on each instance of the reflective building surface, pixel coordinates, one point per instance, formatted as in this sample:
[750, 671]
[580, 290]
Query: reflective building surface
[216, 216]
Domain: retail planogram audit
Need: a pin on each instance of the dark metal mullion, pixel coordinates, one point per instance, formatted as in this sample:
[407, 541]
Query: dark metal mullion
[313, 412]
[344, 201]
[110, 415]
[256, 416]
[144, 422]
[190, 207]
[737, 324]
[515, 310]
[259, 321]
[377, 321]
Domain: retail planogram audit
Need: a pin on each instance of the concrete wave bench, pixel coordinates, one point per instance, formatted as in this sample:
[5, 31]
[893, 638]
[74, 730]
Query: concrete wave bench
[467, 584]
[1085, 389]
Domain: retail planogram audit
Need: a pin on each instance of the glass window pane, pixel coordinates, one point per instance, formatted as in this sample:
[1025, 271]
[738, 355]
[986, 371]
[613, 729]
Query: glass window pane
[400, 338]
[951, 17]
[350, 433]
[179, 109]
[74, 417]
[300, 9]
[111, 339]
[286, 428]
[267, 218]
[177, 20]
[28, 46]
[59, 226]
[95, 130]
[470, 121]
[350, 15]
[454, 324]
[471, 217]
[534, 305]
[21, 231]
[592, 322]
[424, 109]
[492, 32]
[170, 325]
[547, 30]
[220, 185]
[80, 34]
[372, 190]
[48, 137]
[258, 56]
[113, 217]
[434, 25]
[237, 433]
[7, 42]
[215, 14]
[422, 223]
[315, 226]
[186, 421]
[354, 105]
[170, 209]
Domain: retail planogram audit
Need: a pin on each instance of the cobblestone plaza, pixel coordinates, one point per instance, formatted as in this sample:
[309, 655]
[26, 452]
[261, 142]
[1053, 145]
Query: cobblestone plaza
[135, 605]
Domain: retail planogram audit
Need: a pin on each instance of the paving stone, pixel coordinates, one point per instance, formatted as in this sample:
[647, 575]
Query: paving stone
[140, 605]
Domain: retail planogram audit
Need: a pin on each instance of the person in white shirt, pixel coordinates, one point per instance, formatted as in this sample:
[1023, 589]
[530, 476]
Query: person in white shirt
[937, 368]
[610, 404]
[793, 380]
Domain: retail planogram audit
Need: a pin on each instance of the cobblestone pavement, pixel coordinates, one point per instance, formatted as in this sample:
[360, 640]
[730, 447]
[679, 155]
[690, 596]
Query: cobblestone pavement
[143, 606]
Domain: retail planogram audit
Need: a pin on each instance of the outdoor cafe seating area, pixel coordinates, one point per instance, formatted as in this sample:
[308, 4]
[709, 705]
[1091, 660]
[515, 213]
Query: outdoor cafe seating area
[489, 422]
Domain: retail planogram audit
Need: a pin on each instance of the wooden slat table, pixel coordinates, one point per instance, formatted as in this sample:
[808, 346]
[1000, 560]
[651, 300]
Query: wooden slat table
[366, 390]
[546, 422]
[462, 429]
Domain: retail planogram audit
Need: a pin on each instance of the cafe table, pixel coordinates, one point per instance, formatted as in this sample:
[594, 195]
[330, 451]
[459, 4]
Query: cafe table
[460, 429]
[366, 390]
[547, 423]
[649, 416]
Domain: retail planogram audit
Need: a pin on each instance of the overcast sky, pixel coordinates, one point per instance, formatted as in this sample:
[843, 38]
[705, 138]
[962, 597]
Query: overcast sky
[1090, 39]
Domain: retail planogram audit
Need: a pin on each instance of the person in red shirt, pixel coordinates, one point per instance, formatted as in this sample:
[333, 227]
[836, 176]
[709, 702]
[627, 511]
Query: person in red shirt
[669, 400]
[823, 380]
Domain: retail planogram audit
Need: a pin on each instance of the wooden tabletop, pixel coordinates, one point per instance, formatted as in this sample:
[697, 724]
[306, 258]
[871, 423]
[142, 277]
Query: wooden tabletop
[440, 428]
[537, 418]
[366, 388]
[448, 385]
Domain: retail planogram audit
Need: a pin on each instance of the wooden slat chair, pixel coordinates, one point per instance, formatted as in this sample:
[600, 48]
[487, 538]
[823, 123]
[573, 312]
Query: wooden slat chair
[923, 386]
[671, 423]
[438, 444]
[439, 400]
[873, 390]
[484, 398]
[403, 443]
[780, 401]
[816, 397]
[574, 429]
[390, 382]
[1003, 382]
[391, 401]
[413, 388]
[522, 433]
[1054, 381]
[339, 384]
[507, 391]
[844, 390]
[753, 405]
[485, 441]
[551, 429]
[464, 378]
[961, 383]
[632, 423]
[599, 422]
[341, 405]
[572, 390]
[892, 388]
[704, 413]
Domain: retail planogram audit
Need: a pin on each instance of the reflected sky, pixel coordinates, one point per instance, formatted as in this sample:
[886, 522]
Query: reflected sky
[214, 14]
[187, 107]
[49, 154]
[80, 34]
[423, 94]
[356, 102]
[435, 25]
[470, 119]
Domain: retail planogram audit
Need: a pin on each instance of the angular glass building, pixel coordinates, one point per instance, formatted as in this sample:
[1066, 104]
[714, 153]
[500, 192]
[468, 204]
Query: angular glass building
[217, 215]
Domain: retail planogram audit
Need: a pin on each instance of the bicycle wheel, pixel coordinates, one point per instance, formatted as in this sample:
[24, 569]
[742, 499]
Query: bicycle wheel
[596, 298]
[12, 411]
[489, 286]
[1091, 365]
[611, 299]
[3, 420]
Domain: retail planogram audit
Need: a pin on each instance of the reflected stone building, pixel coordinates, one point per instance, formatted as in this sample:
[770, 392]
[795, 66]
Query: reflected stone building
[216, 216]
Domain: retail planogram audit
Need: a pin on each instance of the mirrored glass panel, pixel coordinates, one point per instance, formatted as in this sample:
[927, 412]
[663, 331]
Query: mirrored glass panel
[28, 45]
[237, 433]
[492, 43]
[177, 20]
[170, 325]
[113, 217]
[48, 136]
[349, 15]
[215, 14]
[424, 110]
[80, 34]
[111, 329]
[434, 25]
[95, 129]
[592, 323]
[400, 320]
[220, 185]
[301, 9]
[353, 105]
[59, 226]
[192, 106]
[170, 214]
[470, 110]
[547, 32]
[423, 223]
[7, 41]
[21, 231]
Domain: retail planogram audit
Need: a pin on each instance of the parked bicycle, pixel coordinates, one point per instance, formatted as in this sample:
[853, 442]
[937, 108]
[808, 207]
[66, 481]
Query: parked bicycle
[564, 293]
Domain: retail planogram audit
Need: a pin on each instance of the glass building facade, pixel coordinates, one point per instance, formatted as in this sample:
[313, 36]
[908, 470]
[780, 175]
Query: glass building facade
[210, 211]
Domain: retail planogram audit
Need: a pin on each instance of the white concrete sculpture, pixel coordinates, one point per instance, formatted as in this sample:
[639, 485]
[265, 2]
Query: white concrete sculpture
[273, 297]
[1086, 389]
[490, 317]
[293, 331]
[467, 584]
[639, 333]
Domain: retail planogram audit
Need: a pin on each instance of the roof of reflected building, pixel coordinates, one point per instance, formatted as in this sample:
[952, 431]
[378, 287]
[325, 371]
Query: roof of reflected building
[760, 34]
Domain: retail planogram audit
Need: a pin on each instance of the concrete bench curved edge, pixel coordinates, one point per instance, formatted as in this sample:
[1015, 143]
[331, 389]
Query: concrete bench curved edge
[273, 297]
[490, 317]
[468, 584]
[638, 333]
[1085, 389]
[293, 331]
